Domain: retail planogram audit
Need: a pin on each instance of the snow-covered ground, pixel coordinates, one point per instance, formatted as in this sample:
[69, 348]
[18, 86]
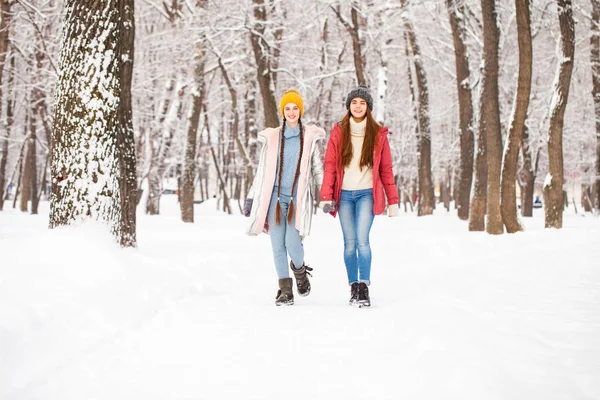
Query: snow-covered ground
[190, 314]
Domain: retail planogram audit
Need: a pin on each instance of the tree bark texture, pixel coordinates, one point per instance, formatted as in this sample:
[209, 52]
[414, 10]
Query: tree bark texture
[125, 134]
[353, 29]
[29, 183]
[426, 196]
[527, 175]
[553, 185]
[456, 14]
[478, 202]
[5, 18]
[86, 147]
[262, 57]
[508, 191]
[189, 164]
[491, 112]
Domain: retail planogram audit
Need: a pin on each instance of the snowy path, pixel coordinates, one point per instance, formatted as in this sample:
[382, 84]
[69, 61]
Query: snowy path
[190, 314]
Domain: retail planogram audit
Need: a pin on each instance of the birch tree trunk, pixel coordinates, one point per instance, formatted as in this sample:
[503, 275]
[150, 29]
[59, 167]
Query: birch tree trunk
[595, 61]
[553, 185]
[491, 110]
[456, 14]
[87, 121]
[519, 115]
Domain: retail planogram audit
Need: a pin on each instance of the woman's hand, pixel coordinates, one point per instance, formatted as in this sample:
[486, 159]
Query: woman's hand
[327, 206]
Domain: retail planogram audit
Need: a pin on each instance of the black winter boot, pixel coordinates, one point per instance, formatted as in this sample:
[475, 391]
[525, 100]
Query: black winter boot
[285, 296]
[302, 282]
[354, 294]
[363, 295]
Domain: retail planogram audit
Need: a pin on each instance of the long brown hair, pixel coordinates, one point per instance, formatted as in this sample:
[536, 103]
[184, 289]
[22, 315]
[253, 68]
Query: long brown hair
[368, 148]
[291, 209]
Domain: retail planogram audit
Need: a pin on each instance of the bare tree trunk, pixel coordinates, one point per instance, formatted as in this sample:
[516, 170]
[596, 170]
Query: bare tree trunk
[595, 61]
[160, 143]
[354, 31]
[586, 202]
[19, 169]
[234, 110]
[30, 167]
[222, 182]
[517, 125]
[38, 101]
[527, 175]
[85, 179]
[5, 18]
[412, 91]
[189, 164]
[465, 102]
[236, 123]
[9, 123]
[159, 147]
[154, 180]
[357, 45]
[445, 188]
[478, 202]
[426, 196]
[491, 109]
[251, 131]
[553, 186]
[262, 55]
[44, 181]
[274, 6]
[125, 135]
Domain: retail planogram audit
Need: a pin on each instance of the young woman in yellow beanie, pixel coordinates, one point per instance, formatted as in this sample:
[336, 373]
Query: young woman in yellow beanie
[280, 201]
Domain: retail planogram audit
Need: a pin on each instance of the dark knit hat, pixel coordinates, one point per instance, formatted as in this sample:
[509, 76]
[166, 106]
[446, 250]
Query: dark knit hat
[361, 91]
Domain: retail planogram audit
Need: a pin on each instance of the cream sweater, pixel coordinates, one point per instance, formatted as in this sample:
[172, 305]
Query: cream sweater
[354, 177]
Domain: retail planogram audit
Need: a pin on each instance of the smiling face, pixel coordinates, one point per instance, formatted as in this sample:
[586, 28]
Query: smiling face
[291, 113]
[358, 108]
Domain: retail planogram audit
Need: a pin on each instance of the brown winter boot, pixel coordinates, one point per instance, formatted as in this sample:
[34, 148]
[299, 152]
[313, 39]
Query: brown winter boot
[302, 282]
[285, 296]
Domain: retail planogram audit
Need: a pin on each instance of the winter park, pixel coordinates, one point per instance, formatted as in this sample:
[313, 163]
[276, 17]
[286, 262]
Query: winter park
[271, 199]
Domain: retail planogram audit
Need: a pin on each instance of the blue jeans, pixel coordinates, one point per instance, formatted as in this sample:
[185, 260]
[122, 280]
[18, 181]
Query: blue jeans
[285, 238]
[356, 217]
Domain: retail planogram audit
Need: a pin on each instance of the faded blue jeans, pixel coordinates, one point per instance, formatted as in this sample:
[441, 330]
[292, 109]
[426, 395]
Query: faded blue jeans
[285, 238]
[356, 217]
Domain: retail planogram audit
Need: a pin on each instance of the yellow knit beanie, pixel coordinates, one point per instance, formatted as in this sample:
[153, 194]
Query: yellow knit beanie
[291, 96]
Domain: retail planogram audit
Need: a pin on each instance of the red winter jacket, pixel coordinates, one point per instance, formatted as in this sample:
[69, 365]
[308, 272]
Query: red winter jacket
[383, 175]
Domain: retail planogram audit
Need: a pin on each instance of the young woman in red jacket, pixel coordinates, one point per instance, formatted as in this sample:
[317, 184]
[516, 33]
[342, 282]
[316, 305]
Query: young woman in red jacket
[358, 170]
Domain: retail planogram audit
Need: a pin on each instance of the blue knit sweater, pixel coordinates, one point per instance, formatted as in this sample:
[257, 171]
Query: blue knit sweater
[291, 152]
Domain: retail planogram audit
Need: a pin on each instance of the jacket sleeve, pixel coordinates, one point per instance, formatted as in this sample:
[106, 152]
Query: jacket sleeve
[330, 166]
[386, 172]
